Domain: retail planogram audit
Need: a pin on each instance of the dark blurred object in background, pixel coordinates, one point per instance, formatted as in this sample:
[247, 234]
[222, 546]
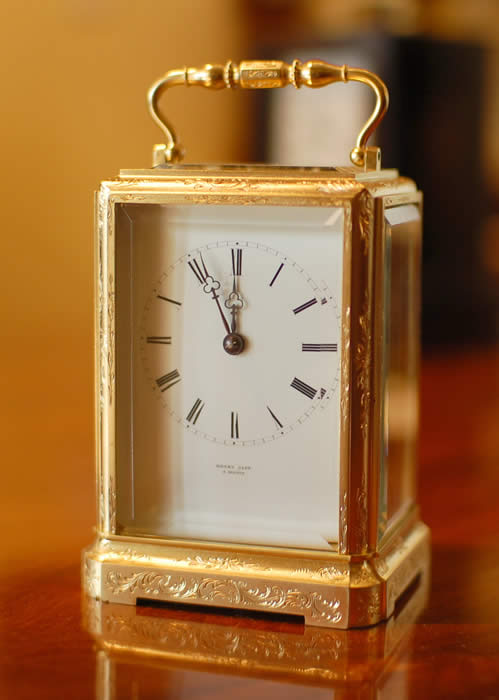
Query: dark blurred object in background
[440, 131]
[439, 101]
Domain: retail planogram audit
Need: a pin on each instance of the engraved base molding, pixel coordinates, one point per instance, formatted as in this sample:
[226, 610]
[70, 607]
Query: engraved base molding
[313, 655]
[334, 591]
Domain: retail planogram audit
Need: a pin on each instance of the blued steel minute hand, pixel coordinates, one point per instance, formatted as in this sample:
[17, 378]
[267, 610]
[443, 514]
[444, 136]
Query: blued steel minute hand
[210, 286]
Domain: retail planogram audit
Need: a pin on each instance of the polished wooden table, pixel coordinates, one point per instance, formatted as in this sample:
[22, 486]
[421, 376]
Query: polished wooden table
[446, 647]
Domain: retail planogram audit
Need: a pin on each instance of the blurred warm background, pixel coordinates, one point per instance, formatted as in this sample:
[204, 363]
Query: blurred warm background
[73, 81]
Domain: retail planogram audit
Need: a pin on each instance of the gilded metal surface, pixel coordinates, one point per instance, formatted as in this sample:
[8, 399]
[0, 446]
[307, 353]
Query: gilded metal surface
[363, 362]
[356, 476]
[269, 74]
[366, 220]
[345, 387]
[105, 369]
[353, 593]
[325, 588]
[317, 607]
[300, 654]
[397, 200]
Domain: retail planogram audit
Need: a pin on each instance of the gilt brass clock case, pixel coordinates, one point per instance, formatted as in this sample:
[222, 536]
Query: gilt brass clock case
[377, 545]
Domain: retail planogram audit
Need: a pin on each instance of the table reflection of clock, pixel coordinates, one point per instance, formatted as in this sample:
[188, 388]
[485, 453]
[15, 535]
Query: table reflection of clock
[257, 339]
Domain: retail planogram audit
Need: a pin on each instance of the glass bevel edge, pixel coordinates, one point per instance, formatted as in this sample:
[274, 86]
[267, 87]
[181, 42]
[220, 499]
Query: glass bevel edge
[378, 311]
[408, 513]
[214, 546]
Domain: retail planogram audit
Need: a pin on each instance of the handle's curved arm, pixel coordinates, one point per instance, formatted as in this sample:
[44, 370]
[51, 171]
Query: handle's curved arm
[269, 74]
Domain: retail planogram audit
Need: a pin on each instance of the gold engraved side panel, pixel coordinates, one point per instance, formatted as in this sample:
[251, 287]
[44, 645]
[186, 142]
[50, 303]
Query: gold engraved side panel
[346, 380]
[315, 588]
[356, 495]
[105, 369]
[317, 604]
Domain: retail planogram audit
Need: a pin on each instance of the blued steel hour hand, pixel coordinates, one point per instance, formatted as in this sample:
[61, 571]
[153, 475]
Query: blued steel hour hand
[234, 303]
[234, 342]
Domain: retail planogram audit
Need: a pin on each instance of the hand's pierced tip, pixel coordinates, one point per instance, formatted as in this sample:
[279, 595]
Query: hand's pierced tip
[234, 301]
[211, 285]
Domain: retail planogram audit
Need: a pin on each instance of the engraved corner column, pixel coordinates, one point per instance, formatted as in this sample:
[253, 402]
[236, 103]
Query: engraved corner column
[361, 394]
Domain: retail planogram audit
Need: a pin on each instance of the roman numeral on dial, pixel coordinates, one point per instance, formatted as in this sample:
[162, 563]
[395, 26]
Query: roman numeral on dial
[199, 269]
[168, 380]
[319, 347]
[234, 425]
[303, 388]
[172, 301]
[193, 414]
[304, 306]
[276, 419]
[237, 261]
[159, 339]
[276, 275]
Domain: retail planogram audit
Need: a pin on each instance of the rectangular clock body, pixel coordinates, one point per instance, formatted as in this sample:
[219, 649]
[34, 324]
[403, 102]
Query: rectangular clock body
[257, 390]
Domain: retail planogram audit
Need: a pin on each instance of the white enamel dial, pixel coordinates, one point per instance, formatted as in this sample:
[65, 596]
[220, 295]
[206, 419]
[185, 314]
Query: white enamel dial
[288, 322]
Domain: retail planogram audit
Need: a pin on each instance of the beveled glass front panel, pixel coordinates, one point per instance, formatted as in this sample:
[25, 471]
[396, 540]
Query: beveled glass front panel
[402, 241]
[215, 445]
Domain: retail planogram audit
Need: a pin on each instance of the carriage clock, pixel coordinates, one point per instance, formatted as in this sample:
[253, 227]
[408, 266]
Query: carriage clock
[257, 351]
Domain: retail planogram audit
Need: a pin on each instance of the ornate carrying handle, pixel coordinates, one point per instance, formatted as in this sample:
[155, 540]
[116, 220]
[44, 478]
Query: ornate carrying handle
[269, 74]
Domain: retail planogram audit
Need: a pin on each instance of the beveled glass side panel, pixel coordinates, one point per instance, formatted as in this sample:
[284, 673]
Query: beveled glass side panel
[401, 338]
[219, 446]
